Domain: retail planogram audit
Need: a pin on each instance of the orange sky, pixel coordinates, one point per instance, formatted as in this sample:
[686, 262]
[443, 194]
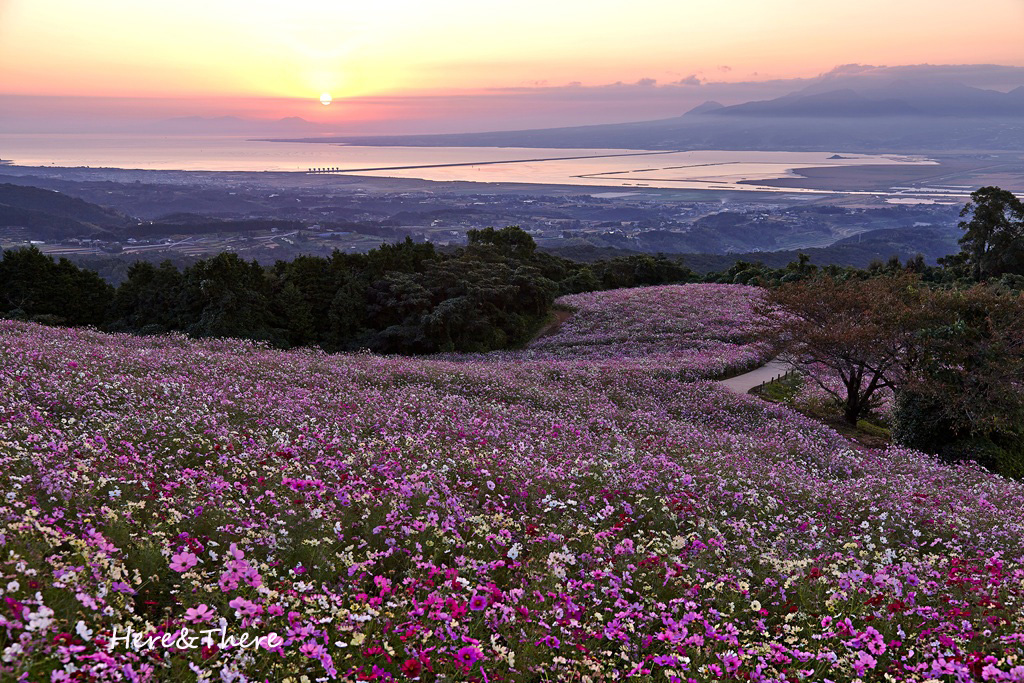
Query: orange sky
[452, 65]
[300, 48]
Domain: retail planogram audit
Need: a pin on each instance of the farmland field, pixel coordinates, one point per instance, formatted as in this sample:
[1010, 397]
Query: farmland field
[592, 508]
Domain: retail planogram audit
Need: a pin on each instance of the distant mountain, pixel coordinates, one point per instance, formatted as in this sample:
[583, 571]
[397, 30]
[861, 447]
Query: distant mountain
[892, 98]
[48, 214]
[861, 133]
[858, 108]
[705, 108]
[844, 102]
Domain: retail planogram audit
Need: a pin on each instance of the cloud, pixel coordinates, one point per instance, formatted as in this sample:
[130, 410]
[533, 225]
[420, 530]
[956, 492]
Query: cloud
[692, 79]
[725, 68]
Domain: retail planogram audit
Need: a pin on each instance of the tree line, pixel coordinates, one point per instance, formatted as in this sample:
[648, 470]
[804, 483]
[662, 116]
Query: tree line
[403, 298]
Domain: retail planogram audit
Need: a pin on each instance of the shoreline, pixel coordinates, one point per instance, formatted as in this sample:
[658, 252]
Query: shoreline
[337, 180]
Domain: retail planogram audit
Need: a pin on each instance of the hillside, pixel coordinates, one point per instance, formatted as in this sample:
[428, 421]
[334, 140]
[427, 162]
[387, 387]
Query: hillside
[568, 517]
[646, 328]
[858, 251]
[53, 215]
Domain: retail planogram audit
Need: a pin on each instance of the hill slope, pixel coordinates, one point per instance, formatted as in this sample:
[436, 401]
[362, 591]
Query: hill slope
[401, 518]
[881, 133]
[54, 215]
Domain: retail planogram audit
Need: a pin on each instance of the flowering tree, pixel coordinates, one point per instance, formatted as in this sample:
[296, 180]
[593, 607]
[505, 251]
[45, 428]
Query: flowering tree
[864, 331]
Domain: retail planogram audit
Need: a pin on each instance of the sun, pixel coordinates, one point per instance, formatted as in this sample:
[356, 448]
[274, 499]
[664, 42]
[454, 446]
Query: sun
[326, 99]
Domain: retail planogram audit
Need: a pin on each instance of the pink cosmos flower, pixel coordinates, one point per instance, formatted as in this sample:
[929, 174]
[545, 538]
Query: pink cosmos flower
[312, 650]
[253, 578]
[864, 662]
[477, 603]
[199, 614]
[182, 562]
[876, 647]
[244, 608]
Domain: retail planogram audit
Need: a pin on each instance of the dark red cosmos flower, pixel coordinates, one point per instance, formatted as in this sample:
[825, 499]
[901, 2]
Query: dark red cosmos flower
[412, 668]
[16, 607]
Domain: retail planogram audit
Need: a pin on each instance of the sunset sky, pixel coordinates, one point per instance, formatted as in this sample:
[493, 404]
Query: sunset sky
[273, 59]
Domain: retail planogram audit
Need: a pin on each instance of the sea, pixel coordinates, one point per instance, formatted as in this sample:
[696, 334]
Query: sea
[621, 169]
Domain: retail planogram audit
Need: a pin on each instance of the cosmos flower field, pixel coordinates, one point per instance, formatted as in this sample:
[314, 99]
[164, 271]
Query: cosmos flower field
[699, 330]
[691, 332]
[557, 517]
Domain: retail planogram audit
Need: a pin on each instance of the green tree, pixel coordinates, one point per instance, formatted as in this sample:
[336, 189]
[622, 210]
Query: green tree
[993, 240]
[34, 286]
[295, 315]
[229, 297]
[511, 240]
[150, 299]
[964, 398]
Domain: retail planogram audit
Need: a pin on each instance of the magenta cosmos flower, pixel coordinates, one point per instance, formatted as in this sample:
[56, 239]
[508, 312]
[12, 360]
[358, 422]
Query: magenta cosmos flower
[468, 656]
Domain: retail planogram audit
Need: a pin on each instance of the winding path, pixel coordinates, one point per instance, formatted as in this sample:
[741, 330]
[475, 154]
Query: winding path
[742, 384]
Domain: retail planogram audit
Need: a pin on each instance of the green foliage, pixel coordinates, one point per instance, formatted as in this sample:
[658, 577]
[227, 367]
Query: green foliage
[874, 430]
[918, 422]
[993, 240]
[640, 270]
[511, 241]
[150, 299]
[1009, 458]
[399, 298]
[963, 398]
[784, 390]
[34, 286]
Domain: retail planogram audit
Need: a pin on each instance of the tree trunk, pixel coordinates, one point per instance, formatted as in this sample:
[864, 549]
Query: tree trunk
[852, 410]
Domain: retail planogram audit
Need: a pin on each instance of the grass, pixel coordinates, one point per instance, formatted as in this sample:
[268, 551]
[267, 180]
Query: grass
[784, 390]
